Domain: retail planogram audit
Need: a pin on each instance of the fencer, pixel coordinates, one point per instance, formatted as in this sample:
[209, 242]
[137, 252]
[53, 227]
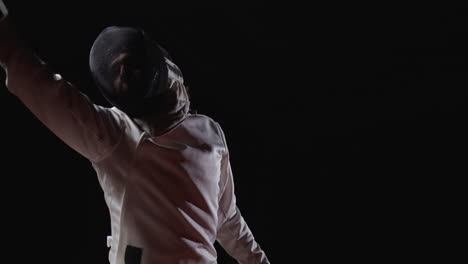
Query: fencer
[164, 171]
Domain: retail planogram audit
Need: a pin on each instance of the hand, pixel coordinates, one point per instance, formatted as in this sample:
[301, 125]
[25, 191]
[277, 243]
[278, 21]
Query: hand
[3, 10]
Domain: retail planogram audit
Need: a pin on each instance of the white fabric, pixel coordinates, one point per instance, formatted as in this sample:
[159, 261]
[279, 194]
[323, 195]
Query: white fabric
[171, 195]
[109, 241]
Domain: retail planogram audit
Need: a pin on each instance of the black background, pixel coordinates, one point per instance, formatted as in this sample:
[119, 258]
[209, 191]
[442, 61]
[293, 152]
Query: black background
[345, 123]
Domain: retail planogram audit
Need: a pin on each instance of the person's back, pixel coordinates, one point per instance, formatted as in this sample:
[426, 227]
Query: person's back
[164, 198]
[165, 173]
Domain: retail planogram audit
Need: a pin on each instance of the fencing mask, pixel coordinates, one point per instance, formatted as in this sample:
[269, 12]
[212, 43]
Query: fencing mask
[133, 72]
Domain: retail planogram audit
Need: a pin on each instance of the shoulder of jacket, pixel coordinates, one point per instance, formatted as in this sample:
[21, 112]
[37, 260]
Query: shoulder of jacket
[195, 115]
[210, 122]
[127, 124]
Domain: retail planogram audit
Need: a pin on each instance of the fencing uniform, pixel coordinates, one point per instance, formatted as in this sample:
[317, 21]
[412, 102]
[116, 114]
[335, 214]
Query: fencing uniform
[166, 179]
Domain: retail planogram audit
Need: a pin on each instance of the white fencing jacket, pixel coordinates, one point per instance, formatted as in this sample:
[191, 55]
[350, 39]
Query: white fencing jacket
[170, 197]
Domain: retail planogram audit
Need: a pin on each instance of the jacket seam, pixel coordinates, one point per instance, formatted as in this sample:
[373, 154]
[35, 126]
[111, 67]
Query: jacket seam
[123, 211]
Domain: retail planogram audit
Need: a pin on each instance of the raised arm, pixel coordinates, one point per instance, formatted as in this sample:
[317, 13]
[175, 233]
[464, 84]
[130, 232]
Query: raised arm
[3, 10]
[234, 235]
[89, 129]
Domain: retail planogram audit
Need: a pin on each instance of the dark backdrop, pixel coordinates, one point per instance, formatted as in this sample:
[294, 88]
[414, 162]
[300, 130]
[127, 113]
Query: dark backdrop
[345, 123]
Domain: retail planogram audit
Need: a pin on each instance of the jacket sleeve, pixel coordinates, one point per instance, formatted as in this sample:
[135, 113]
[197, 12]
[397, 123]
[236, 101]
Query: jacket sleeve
[89, 129]
[233, 234]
